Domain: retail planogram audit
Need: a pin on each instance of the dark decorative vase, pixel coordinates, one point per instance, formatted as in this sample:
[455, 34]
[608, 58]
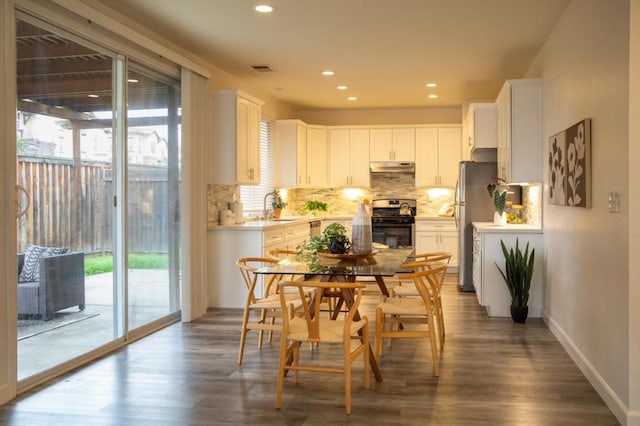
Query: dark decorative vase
[339, 245]
[519, 313]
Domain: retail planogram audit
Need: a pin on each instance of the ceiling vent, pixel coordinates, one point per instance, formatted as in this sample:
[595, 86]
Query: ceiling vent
[262, 68]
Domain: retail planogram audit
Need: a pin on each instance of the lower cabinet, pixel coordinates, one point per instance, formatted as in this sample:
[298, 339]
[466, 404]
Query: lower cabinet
[226, 245]
[437, 235]
[491, 290]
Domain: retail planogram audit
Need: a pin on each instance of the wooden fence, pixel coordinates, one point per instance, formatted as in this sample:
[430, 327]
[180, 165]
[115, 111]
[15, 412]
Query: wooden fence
[71, 205]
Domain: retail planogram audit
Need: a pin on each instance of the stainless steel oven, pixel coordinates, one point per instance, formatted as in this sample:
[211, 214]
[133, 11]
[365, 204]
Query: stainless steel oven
[393, 221]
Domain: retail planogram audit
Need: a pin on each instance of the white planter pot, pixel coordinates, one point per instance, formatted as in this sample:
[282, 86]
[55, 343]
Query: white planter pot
[500, 219]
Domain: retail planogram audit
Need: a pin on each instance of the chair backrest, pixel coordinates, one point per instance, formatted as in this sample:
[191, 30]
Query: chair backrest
[429, 261]
[311, 306]
[426, 277]
[279, 254]
[434, 256]
[247, 267]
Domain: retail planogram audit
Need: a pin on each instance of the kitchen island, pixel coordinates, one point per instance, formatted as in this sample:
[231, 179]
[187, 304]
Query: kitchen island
[491, 290]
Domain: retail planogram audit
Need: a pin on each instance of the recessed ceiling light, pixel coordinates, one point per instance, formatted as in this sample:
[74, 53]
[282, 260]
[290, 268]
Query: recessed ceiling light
[328, 72]
[352, 98]
[342, 87]
[265, 8]
[433, 96]
[93, 96]
[132, 80]
[431, 85]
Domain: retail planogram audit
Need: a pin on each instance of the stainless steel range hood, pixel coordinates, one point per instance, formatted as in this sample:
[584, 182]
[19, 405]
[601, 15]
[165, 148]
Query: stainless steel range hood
[392, 166]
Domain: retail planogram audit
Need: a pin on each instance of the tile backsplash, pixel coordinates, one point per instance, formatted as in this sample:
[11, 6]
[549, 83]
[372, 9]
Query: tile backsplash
[344, 202]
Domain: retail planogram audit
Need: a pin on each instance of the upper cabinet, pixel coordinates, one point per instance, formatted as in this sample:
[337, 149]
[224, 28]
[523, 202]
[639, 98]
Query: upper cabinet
[519, 107]
[482, 122]
[349, 157]
[236, 137]
[301, 154]
[437, 155]
[392, 144]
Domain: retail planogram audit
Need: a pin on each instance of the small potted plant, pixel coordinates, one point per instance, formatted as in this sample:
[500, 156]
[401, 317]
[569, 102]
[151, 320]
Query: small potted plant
[314, 206]
[499, 197]
[333, 240]
[277, 204]
[517, 276]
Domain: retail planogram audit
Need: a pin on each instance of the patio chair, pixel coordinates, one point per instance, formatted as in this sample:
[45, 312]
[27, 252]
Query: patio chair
[59, 284]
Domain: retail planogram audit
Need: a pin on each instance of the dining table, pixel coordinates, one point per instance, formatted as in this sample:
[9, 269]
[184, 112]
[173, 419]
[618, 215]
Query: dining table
[379, 264]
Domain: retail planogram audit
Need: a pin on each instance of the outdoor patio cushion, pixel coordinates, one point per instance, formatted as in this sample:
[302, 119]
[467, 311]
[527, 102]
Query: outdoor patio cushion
[31, 269]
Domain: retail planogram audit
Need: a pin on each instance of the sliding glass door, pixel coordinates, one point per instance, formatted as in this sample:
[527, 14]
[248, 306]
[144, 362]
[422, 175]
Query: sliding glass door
[153, 188]
[98, 197]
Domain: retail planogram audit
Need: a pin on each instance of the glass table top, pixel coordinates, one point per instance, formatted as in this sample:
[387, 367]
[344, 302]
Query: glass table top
[382, 262]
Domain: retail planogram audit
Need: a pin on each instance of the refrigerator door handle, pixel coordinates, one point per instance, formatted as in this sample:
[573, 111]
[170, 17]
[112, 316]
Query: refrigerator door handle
[456, 205]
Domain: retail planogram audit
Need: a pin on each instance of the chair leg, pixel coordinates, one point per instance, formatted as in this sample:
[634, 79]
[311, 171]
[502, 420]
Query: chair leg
[434, 345]
[296, 361]
[263, 320]
[281, 371]
[367, 359]
[379, 330]
[347, 376]
[243, 335]
[441, 323]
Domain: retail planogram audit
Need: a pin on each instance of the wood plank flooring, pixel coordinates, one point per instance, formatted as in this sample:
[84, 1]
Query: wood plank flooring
[492, 372]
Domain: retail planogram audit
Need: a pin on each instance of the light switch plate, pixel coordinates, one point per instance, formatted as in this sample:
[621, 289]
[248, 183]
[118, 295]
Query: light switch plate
[614, 202]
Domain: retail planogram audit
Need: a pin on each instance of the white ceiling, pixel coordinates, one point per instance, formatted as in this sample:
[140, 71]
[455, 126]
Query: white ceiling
[384, 50]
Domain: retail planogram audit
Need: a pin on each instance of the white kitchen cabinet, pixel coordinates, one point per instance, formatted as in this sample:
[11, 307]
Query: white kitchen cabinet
[317, 156]
[349, 157]
[235, 147]
[394, 144]
[519, 109]
[437, 235]
[301, 154]
[482, 122]
[491, 290]
[228, 244]
[437, 155]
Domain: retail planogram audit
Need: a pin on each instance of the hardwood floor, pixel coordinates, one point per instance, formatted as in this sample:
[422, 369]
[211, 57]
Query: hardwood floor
[492, 372]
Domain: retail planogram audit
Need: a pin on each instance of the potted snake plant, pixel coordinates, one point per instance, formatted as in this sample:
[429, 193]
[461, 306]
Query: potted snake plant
[517, 276]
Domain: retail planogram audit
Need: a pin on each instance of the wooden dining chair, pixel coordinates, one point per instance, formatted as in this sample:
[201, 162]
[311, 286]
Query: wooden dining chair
[313, 328]
[265, 303]
[410, 317]
[408, 289]
[279, 254]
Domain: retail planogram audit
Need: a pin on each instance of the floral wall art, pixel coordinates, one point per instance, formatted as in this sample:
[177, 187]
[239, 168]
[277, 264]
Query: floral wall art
[570, 166]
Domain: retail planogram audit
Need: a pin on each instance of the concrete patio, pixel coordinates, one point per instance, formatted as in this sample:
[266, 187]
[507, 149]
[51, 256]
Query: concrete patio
[148, 300]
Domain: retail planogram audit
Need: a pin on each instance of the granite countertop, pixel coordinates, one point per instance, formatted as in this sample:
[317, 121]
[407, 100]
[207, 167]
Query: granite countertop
[490, 227]
[253, 225]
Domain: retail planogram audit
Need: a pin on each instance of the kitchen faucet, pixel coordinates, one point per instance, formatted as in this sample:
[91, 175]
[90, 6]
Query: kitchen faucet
[264, 205]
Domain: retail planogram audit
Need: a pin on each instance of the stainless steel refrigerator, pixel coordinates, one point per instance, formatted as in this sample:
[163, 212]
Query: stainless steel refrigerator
[472, 204]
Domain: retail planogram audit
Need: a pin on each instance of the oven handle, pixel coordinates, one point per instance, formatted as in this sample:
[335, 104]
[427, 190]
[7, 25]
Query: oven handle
[389, 225]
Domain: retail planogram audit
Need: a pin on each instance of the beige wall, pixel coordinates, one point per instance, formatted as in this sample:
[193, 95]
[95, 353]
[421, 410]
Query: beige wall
[634, 206]
[584, 66]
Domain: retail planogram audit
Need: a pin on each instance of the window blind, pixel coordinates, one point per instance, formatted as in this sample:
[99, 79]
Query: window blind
[252, 196]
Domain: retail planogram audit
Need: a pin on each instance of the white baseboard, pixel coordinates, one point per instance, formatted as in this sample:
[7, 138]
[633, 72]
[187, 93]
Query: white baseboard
[615, 404]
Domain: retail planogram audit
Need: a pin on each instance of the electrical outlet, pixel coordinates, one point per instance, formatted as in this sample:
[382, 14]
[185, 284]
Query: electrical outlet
[614, 202]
